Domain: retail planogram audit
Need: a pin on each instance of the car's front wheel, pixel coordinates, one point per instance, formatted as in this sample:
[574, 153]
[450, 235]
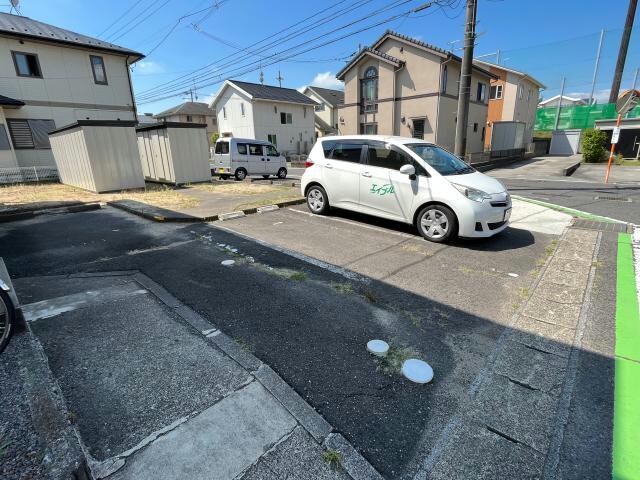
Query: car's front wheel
[317, 200]
[437, 223]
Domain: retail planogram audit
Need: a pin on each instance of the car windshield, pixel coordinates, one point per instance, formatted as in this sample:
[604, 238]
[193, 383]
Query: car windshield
[440, 160]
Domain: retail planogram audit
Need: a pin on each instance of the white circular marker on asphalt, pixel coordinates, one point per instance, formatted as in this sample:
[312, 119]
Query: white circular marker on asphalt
[228, 263]
[417, 371]
[378, 347]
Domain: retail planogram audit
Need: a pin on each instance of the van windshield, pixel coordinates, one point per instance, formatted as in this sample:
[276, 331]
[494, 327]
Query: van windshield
[440, 160]
[222, 147]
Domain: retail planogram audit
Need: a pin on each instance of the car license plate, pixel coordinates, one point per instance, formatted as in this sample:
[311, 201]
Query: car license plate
[507, 214]
[221, 170]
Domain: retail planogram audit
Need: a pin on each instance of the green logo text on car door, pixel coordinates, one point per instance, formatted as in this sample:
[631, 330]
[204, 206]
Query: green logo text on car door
[382, 189]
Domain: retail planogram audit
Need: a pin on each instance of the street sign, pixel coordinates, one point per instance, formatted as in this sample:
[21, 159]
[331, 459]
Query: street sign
[616, 135]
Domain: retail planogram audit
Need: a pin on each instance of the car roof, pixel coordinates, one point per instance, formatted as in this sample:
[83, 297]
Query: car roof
[381, 138]
[243, 140]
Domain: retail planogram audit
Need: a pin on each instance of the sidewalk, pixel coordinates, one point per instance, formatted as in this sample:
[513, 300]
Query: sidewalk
[153, 390]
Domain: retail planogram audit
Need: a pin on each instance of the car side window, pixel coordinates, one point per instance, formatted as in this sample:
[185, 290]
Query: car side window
[242, 148]
[347, 152]
[327, 146]
[272, 152]
[222, 147]
[385, 156]
[255, 149]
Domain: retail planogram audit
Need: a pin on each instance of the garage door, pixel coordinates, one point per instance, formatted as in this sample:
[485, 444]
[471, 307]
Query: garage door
[565, 142]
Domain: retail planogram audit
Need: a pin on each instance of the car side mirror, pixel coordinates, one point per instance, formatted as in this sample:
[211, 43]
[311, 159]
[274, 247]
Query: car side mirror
[408, 170]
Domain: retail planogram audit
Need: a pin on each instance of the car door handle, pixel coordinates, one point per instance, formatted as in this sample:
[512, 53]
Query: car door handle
[366, 174]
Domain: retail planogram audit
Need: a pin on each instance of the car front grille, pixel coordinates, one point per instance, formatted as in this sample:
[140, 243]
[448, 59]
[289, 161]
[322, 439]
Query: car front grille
[499, 204]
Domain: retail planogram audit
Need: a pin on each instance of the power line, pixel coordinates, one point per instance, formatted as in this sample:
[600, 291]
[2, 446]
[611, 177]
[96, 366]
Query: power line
[119, 18]
[240, 72]
[207, 76]
[253, 45]
[113, 38]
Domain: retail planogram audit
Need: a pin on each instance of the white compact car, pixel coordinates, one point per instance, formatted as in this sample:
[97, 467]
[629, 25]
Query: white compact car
[241, 157]
[407, 180]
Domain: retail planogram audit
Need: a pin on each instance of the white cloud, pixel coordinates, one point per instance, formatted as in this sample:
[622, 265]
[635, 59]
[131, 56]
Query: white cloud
[600, 96]
[148, 67]
[327, 80]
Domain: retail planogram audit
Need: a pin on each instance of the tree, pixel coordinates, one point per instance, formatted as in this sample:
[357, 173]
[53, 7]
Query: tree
[214, 138]
[594, 145]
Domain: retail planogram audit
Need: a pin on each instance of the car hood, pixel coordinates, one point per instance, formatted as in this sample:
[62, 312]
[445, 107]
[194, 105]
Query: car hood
[479, 181]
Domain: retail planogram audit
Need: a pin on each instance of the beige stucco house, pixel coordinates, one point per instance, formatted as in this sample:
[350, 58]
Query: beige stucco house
[513, 97]
[403, 86]
[326, 110]
[53, 77]
[191, 112]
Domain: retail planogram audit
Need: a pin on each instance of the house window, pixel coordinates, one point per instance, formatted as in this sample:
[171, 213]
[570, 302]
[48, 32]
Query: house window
[224, 112]
[481, 95]
[483, 134]
[30, 134]
[275, 109]
[369, 128]
[272, 139]
[286, 118]
[4, 139]
[242, 108]
[189, 118]
[27, 64]
[418, 128]
[496, 92]
[304, 112]
[213, 121]
[369, 90]
[445, 75]
[319, 108]
[99, 72]
[475, 127]
[528, 94]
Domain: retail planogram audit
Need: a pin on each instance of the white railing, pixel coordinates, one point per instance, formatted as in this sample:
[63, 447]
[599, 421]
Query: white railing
[28, 174]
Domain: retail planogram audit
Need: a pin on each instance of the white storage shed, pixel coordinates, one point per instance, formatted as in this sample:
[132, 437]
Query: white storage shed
[174, 152]
[98, 155]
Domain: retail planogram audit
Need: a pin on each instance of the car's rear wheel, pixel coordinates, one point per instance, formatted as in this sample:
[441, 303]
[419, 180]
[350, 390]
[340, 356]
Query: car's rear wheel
[317, 200]
[7, 319]
[437, 223]
[282, 173]
[241, 174]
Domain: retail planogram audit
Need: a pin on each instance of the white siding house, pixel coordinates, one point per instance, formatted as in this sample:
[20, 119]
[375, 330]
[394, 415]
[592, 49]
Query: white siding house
[326, 112]
[282, 116]
[52, 77]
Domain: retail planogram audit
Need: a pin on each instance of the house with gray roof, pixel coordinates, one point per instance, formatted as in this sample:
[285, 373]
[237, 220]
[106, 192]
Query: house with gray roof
[400, 85]
[326, 112]
[53, 77]
[283, 116]
[191, 112]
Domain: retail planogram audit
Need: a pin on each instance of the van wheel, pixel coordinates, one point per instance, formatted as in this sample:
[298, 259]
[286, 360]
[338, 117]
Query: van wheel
[437, 223]
[224, 177]
[317, 200]
[265, 176]
[282, 173]
[241, 174]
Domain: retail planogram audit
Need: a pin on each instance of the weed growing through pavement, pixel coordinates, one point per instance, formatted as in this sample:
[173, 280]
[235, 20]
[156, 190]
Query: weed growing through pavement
[396, 356]
[523, 293]
[298, 276]
[344, 288]
[333, 459]
[415, 320]
[370, 296]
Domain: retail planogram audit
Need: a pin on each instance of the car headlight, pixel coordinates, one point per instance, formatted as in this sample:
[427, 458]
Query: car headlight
[472, 193]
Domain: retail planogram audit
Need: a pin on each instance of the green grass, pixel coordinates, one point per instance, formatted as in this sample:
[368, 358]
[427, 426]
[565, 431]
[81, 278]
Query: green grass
[626, 414]
[396, 356]
[343, 288]
[333, 459]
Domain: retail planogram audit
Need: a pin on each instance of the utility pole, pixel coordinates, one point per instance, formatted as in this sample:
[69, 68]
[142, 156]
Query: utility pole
[555, 124]
[635, 79]
[279, 78]
[595, 69]
[622, 54]
[464, 92]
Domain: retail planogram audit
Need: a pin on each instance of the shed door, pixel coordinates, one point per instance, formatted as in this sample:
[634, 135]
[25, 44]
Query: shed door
[565, 142]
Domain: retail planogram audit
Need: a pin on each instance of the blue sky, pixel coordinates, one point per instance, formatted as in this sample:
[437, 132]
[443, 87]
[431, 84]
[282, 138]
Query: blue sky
[548, 39]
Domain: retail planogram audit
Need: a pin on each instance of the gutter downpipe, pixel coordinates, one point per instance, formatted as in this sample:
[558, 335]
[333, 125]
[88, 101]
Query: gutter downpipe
[442, 65]
[393, 105]
[133, 98]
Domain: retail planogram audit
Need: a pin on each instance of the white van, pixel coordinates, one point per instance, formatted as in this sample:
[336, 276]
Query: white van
[406, 180]
[242, 156]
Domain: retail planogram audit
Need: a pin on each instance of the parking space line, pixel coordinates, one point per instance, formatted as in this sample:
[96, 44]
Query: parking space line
[349, 222]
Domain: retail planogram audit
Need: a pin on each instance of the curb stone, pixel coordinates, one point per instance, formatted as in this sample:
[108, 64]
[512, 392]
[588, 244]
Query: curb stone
[20, 214]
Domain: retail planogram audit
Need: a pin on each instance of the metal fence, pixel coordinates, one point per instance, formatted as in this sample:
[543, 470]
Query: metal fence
[489, 155]
[10, 175]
